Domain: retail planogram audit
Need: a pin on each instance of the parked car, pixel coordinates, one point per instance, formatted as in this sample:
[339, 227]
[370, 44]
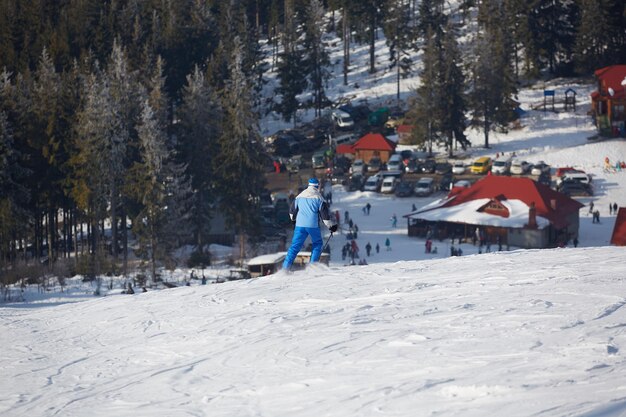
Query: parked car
[563, 170]
[501, 165]
[458, 167]
[429, 166]
[342, 119]
[358, 113]
[575, 188]
[374, 165]
[481, 165]
[358, 167]
[461, 184]
[445, 182]
[318, 160]
[346, 139]
[355, 182]
[395, 162]
[388, 185]
[413, 166]
[425, 186]
[288, 143]
[443, 168]
[404, 189]
[577, 176]
[540, 168]
[519, 167]
[373, 183]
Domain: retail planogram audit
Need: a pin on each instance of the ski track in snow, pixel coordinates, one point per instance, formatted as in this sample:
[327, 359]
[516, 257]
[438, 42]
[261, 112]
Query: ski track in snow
[505, 334]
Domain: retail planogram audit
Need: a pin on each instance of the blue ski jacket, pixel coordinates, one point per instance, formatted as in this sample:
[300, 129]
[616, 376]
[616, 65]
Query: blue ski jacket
[308, 207]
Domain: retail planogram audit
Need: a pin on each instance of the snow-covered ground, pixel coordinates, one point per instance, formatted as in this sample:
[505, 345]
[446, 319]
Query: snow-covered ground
[513, 333]
[523, 333]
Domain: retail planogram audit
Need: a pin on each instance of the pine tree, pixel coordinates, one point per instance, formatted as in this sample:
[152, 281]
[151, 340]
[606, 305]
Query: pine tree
[124, 93]
[400, 38]
[453, 97]
[198, 131]
[431, 17]
[316, 57]
[293, 81]
[95, 157]
[552, 25]
[239, 164]
[149, 188]
[492, 85]
[13, 196]
[426, 110]
[600, 37]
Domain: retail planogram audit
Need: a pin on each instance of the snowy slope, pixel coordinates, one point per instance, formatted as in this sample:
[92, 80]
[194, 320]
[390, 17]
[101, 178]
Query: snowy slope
[520, 333]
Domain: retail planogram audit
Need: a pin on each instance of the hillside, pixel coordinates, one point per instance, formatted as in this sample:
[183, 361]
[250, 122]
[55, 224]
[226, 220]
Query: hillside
[517, 334]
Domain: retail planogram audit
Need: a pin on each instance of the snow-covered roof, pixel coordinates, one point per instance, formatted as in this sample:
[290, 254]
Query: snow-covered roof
[470, 213]
[270, 258]
[516, 195]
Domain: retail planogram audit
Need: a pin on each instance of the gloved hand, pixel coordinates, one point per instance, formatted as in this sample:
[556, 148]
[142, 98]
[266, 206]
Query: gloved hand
[333, 228]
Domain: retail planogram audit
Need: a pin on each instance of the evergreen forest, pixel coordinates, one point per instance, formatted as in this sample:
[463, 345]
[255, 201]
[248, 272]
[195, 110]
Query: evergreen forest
[129, 120]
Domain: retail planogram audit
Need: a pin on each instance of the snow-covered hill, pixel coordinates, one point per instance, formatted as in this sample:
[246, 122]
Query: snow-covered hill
[523, 333]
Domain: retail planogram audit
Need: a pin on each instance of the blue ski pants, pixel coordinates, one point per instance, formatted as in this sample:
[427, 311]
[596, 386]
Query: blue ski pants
[299, 236]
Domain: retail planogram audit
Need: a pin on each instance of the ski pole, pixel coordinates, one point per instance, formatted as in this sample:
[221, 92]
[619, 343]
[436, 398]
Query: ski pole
[327, 240]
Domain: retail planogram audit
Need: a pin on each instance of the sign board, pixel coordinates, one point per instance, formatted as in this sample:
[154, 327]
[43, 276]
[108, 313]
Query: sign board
[548, 93]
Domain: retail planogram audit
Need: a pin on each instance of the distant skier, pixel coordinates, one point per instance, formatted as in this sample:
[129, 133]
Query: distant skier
[388, 244]
[368, 248]
[305, 211]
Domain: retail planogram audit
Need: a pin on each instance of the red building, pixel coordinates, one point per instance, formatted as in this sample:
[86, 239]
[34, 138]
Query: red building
[609, 101]
[373, 144]
[518, 211]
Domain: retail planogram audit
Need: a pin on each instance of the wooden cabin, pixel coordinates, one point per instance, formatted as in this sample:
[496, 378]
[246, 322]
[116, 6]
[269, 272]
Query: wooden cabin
[266, 264]
[609, 101]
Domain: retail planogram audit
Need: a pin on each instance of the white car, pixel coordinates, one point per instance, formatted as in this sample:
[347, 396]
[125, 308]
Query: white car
[458, 167]
[462, 184]
[342, 119]
[540, 168]
[373, 183]
[388, 186]
[425, 186]
[519, 167]
[501, 165]
[358, 167]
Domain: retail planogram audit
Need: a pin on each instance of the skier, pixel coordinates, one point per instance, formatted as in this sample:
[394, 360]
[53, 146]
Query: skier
[368, 248]
[394, 220]
[377, 248]
[305, 212]
[355, 248]
[388, 244]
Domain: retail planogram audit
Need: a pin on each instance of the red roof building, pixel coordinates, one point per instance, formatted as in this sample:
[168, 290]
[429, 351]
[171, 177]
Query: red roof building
[516, 211]
[609, 101]
[404, 134]
[373, 144]
[618, 238]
